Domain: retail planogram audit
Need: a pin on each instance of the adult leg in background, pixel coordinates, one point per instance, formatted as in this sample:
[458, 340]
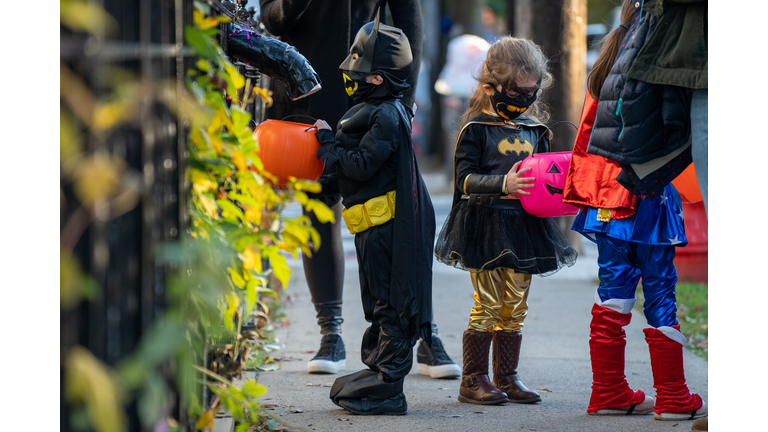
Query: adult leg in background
[325, 277]
[700, 137]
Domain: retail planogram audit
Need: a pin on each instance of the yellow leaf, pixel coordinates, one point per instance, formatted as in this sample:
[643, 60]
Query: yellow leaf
[205, 421]
[323, 213]
[252, 259]
[238, 81]
[215, 125]
[210, 206]
[97, 178]
[233, 301]
[217, 144]
[201, 181]
[86, 16]
[238, 160]
[253, 215]
[89, 381]
[304, 185]
[237, 279]
[197, 17]
[209, 22]
[224, 118]
[111, 114]
[266, 96]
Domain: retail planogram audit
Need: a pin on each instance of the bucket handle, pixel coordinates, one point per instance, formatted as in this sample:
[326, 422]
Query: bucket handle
[302, 115]
[548, 129]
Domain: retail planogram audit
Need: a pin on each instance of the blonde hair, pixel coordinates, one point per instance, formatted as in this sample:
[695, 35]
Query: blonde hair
[512, 60]
[609, 47]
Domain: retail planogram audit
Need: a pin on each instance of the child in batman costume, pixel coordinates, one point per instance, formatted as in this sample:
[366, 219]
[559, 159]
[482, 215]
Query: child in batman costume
[387, 207]
[487, 232]
[635, 239]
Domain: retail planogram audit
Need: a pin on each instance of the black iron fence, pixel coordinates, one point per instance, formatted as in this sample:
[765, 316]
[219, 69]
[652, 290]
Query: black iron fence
[119, 251]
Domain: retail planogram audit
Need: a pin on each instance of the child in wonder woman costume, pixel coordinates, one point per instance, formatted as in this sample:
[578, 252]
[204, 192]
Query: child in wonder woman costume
[635, 239]
[487, 232]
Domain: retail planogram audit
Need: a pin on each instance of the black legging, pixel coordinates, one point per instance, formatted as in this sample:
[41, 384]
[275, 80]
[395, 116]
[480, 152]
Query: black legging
[325, 272]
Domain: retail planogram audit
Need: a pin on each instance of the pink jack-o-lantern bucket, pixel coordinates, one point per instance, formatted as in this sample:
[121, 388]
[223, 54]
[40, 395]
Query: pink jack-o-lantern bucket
[546, 198]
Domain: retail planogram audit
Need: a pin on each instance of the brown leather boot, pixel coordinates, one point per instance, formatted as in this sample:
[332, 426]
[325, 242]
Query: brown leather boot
[476, 387]
[506, 354]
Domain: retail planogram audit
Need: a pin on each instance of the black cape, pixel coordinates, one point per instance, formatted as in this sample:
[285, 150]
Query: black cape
[414, 221]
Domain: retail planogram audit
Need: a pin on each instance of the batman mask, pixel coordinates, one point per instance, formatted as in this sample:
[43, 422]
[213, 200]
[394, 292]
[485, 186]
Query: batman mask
[382, 50]
[508, 107]
[356, 86]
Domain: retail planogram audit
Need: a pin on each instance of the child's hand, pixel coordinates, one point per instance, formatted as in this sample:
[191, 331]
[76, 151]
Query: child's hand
[516, 182]
[321, 124]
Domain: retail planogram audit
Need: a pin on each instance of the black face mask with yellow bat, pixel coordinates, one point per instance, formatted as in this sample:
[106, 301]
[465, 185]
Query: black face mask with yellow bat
[356, 86]
[510, 108]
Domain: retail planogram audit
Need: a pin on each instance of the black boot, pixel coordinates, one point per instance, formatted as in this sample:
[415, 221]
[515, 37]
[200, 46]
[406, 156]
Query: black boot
[374, 406]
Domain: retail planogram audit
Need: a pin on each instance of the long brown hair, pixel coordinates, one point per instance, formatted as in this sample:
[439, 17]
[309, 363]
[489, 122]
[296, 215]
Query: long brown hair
[512, 60]
[609, 47]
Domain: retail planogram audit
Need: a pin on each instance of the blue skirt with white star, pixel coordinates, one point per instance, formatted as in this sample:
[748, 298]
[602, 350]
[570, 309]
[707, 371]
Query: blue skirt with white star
[657, 222]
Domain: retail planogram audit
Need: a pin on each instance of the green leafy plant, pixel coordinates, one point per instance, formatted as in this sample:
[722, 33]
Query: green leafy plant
[232, 259]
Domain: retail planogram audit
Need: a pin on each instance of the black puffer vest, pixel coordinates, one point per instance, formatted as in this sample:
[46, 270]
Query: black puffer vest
[637, 122]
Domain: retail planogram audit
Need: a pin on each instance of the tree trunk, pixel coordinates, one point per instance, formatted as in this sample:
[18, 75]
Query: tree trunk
[559, 28]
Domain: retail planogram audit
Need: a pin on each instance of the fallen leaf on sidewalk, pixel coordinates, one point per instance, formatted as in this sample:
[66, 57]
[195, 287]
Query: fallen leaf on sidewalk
[480, 412]
[341, 419]
[453, 415]
[271, 367]
[295, 411]
[544, 390]
[309, 352]
[269, 406]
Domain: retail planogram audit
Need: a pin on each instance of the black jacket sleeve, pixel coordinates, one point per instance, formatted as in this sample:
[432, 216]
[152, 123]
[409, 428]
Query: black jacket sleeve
[469, 178]
[376, 146]
[280, 16]
[406, 15]
[330, 184]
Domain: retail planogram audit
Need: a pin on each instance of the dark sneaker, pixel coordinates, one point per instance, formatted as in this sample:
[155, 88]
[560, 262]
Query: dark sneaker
[331, 358]
[435, 362]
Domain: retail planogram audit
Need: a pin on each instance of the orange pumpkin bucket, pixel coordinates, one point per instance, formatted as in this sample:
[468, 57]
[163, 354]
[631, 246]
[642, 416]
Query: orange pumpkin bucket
[288, 149]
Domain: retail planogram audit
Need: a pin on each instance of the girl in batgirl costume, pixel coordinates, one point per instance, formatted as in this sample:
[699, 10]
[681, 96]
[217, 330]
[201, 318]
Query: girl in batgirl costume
[487, 232]
[635, 239]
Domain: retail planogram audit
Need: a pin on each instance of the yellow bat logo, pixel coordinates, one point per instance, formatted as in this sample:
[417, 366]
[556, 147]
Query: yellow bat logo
[349, 89]
[519, 146]
[501, 106]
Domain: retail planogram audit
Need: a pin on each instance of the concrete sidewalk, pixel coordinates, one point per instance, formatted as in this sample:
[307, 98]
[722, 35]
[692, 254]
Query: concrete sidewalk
[554, 361]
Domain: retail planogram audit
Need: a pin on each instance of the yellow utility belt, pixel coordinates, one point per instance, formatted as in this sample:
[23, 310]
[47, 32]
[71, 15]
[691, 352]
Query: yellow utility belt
[375, 211]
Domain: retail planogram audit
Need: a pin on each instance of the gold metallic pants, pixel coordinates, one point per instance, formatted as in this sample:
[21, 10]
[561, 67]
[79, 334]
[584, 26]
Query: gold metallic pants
[501, 300]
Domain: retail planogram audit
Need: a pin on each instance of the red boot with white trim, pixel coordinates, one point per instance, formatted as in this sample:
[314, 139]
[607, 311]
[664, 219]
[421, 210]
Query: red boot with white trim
[673, 399]
[611, 394]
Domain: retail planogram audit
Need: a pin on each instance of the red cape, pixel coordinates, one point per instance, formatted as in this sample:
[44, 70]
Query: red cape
[591, 178]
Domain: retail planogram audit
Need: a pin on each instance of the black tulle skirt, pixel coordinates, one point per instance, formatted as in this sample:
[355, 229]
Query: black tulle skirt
[485, 238]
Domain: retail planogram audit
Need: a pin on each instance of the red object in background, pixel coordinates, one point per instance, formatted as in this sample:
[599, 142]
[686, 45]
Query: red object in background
[687, 185]
[288, 149]
[691, 261]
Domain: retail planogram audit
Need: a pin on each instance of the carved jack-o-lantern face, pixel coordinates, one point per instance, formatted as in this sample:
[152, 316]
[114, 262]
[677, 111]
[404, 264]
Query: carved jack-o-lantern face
[550, 171]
